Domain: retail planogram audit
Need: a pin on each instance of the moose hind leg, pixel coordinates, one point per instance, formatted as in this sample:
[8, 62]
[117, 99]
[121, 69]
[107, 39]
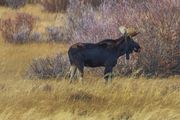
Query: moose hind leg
[108, 74]
[81, 72]
[73, 70]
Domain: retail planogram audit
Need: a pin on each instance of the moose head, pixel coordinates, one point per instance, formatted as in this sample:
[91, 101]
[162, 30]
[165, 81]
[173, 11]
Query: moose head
[130, 45]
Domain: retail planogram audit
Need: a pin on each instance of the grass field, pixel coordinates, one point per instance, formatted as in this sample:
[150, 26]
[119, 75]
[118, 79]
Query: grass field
[55, 99]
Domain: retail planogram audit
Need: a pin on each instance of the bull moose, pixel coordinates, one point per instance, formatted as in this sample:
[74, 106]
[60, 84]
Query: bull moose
[102, 54]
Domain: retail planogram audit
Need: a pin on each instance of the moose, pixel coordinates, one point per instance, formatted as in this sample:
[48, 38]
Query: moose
[102, 54]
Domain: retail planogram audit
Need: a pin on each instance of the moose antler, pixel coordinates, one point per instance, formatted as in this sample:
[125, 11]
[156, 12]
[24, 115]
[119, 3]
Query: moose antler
[123, 29]
[130, 31]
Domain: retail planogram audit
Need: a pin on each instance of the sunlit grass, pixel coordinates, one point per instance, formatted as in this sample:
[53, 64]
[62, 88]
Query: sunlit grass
[16, 58]
[124, 97]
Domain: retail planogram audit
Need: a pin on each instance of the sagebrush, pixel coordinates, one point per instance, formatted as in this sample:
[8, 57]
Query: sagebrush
[17, 30]
[3, 3]
[15, 3]
[44, 68]
[55, 5]
[56, 34]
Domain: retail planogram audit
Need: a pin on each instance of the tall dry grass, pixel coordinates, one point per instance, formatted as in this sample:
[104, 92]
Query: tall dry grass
[124, 99]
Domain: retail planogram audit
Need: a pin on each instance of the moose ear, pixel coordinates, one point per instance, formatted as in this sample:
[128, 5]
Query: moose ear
[123, 29]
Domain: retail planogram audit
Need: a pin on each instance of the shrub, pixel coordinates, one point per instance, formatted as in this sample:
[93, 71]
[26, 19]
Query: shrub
[93, 3]
[36, 37]
[17, 30]
[3, 3]
[86, 24]
[55, 5]
[55, 34]
[158, 22]
[44, 68]
[16, 3]
[62, 5]
[161, 31]
[33, 1]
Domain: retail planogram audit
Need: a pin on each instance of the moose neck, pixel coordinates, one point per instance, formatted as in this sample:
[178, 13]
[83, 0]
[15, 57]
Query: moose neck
[121, 46]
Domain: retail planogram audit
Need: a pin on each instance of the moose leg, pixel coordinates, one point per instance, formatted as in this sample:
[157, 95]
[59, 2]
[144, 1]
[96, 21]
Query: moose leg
[127, 62]
[108, 73]
[73, 70]
[127, 66]
[81, 72]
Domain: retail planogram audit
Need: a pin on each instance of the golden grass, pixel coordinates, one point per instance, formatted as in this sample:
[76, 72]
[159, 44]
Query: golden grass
[123, 99]
[137, 99]
[15, 58]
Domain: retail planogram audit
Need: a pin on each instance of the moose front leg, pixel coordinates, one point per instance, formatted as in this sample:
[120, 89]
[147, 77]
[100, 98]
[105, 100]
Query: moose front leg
[108, 73]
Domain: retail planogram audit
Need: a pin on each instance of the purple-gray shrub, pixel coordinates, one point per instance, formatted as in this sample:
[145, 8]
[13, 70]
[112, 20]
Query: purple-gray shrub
[20, 29]
[49, 67]
[15, 3]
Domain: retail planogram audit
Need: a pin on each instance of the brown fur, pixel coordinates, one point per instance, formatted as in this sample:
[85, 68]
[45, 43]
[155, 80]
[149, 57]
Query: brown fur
[78, 45]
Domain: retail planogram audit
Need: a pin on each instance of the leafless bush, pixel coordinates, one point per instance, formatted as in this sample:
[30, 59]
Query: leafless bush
[15, 3]
[55, 5]
[160, 37]
[56, 34]
[33, 1]
[44, 68]
[62, 5]
[3, 3]
[93, 3]
[36, 37]
[17, 30]
[158, 22]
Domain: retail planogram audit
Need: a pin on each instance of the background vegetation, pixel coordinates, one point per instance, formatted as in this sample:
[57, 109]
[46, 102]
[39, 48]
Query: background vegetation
[35, 37]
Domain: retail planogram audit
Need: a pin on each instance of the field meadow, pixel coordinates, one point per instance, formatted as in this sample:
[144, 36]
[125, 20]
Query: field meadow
[126, 98]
